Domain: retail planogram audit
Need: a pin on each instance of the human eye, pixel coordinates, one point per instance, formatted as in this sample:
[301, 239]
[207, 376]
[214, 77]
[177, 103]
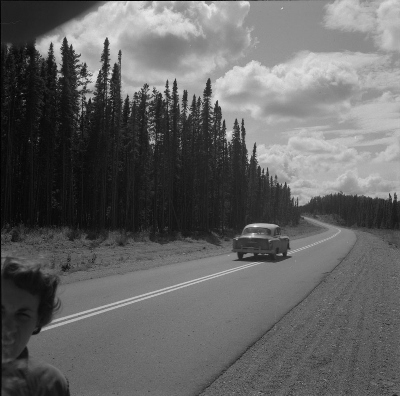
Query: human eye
[24, 316]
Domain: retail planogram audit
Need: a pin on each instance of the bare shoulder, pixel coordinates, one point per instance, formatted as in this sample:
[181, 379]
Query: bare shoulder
[48, 378]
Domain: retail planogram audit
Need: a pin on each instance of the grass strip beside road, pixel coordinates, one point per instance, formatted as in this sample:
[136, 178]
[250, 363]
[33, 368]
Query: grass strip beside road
[119, 253]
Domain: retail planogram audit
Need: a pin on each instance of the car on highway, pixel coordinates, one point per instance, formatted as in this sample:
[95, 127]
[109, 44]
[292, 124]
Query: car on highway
[261, 238]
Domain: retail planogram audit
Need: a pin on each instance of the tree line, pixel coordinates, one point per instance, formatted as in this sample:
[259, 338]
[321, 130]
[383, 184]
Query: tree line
[358, 210]
[155, 161]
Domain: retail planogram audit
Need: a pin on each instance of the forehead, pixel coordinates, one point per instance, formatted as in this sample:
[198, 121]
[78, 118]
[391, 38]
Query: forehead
[15, 298]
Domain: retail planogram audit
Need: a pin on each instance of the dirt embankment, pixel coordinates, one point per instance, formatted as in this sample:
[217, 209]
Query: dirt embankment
[343, 339]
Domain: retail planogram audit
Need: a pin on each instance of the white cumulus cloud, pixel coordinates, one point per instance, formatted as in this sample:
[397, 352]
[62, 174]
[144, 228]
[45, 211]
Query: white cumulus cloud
[160, 40]
[311, 85]
[308, 154]
[391, 153]
[379, 18]
[351, 183]
[313, 165]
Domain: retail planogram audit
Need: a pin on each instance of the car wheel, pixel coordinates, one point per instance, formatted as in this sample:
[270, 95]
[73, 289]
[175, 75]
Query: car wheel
[240, 256]
[274, 255]
[285, 252]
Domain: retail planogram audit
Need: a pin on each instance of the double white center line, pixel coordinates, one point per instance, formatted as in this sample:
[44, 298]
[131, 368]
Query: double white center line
[315, 243]
[109, 307]
[122, 303]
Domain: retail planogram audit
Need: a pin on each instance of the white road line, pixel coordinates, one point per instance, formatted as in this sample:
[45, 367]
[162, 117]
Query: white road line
[96, 311]
[132, 300]
[315, 243]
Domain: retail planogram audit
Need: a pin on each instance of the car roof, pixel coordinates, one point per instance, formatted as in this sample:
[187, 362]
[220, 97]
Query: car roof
[264, 225]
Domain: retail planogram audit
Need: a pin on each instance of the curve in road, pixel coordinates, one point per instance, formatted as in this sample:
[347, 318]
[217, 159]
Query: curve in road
[172, 330]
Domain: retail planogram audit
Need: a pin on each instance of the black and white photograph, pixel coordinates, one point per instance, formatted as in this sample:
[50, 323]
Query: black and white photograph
[200, 198]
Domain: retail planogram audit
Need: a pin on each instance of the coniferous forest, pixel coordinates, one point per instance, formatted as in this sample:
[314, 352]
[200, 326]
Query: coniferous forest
[151, 161]
[358, 211]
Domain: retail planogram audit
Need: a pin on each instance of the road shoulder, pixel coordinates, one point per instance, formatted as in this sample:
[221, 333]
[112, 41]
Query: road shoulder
[342, 339]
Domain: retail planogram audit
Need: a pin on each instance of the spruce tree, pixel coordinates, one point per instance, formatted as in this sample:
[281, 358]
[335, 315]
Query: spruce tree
[48, 143]
[68, 116]
[253, 210]
[115, 141]
[237, 219]
[205, 144]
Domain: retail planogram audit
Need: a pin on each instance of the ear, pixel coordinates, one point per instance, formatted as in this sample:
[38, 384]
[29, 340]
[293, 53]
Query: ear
[37, 330]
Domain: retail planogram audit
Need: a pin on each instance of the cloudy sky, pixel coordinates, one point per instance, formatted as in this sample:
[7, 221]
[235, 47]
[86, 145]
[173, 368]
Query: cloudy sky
[317, 83]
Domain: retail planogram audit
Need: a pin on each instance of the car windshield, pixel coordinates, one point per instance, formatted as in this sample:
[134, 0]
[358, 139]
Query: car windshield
[257, 230]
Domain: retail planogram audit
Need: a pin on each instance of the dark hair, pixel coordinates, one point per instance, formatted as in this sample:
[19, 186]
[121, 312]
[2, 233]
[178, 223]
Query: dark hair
[36, 278]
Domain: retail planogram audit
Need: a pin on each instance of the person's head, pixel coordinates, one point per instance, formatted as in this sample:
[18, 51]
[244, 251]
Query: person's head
[28, 302]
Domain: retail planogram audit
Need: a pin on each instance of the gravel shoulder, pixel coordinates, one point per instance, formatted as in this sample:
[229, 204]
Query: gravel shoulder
[343, 339]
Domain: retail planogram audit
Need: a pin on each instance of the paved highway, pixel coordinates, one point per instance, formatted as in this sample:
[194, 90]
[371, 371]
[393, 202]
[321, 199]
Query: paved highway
[172, 330]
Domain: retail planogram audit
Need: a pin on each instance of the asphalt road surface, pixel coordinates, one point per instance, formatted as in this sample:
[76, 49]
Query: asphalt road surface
[172, 330]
